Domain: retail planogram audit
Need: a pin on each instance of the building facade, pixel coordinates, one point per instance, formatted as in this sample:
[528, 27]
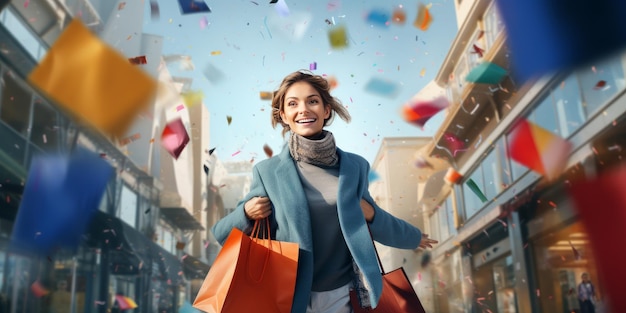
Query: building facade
[524, 249]
[134, 244]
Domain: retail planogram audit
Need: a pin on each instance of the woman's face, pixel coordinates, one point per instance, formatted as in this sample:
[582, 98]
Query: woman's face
[304, 110]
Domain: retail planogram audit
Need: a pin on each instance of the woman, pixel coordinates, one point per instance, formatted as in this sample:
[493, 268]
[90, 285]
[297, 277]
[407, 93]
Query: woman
[317, 196]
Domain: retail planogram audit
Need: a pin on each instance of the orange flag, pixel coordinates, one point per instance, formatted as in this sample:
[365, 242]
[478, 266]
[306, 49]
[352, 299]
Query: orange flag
[94, 82]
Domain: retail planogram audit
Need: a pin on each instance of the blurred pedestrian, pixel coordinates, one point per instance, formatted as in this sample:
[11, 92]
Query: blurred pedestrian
[586, 295]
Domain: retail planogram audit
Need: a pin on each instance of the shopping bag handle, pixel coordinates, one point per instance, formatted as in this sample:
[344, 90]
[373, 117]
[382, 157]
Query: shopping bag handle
[255, 237]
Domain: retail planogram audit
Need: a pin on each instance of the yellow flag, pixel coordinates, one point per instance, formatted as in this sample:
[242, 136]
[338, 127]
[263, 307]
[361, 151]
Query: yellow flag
[94, 82]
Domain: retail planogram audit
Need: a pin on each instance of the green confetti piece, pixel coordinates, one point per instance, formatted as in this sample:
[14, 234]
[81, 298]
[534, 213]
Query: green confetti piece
[472, 185]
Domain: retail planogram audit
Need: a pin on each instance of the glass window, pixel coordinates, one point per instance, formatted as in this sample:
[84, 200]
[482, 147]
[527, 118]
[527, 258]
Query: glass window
[504, 282]
[544, 115]
[517, 169]
[492, 174]
[493, 25]
[503, 162]
[442, 216]
[128, 206]
[433, 220]
[472, 202]
[22, 34]
[601, 82]
[16, 103]
[569, 106]
[46, 130]
[460, 72]
[450, 214]
[473, 58]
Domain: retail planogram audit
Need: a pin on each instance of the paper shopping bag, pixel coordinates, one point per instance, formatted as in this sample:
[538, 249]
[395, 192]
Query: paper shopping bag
[398, 296]
[250, 275]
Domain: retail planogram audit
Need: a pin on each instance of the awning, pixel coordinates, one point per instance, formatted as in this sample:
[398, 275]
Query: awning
[181, 218]
[194, 268]
[132, 252]
[107, 231]
[171, 268]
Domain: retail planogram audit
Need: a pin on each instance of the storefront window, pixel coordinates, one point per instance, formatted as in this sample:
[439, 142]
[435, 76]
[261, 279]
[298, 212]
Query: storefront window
[569, 106]
[448, 287]
[560, 258]
[504, 282]
[128, 206]
[601, 82]
[16, 104]
[46, 130]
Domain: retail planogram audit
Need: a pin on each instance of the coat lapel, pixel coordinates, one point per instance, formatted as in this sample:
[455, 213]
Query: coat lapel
[293, 200]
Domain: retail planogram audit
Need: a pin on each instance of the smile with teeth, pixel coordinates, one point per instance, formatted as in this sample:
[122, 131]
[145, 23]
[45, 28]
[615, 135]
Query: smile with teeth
[306, 120]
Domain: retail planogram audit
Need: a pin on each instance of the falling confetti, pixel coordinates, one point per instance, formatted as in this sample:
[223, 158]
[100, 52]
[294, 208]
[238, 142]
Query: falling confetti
[452, 176]
[474, 188]
[268, 151]
[398, 16]
[338, 37]
[204, 22]
[266, 95]
[373, 176]
[229, 119]
[155, 13]
[423, 19]
[138, 60]
[418, 112]
[38, 289]
[601, 85]
[193, 6]
[378, 18]
[174, 138]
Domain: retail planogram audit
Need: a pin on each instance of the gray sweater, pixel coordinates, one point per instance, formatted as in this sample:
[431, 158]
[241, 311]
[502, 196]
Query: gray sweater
[332, 263]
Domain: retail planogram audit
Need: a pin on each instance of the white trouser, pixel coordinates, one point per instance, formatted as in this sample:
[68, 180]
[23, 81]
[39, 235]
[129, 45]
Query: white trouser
[332, 301]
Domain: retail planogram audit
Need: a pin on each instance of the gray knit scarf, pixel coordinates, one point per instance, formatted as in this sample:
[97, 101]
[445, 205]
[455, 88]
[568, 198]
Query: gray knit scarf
[318, 152]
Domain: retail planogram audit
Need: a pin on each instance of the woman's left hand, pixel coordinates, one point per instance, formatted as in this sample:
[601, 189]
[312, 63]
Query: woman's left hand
[427, 242]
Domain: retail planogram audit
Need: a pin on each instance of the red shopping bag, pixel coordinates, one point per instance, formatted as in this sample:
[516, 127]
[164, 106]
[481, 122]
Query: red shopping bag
[250, 275]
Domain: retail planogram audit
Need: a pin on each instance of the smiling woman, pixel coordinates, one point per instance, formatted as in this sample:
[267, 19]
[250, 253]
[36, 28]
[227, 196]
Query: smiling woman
[299, 106]
[316, 195]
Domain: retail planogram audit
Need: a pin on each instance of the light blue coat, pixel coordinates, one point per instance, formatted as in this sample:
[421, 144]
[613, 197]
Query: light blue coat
[277, 178]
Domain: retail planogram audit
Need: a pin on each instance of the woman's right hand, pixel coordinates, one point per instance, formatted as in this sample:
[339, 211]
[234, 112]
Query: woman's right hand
[258, 208]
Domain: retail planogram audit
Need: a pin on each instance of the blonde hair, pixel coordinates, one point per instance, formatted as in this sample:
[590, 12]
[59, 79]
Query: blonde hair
[316, 81]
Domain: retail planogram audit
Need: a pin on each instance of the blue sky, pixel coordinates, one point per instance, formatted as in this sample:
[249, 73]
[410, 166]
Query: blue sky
[257, 47]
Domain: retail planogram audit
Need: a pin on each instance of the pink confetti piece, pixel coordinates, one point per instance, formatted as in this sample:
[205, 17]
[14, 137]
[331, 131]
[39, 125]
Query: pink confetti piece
[204, 22]
[180, 107]
[313, 66]
[235, 153]
[26, 3]
[184, 257]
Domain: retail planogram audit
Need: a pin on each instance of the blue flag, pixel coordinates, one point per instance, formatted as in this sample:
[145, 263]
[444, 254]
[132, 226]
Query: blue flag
[554, 35]
[60, 197]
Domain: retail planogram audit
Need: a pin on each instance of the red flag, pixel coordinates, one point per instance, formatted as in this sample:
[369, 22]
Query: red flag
[600, 203]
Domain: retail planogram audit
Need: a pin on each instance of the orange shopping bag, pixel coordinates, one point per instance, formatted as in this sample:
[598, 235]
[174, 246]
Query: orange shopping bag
[250, 275]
